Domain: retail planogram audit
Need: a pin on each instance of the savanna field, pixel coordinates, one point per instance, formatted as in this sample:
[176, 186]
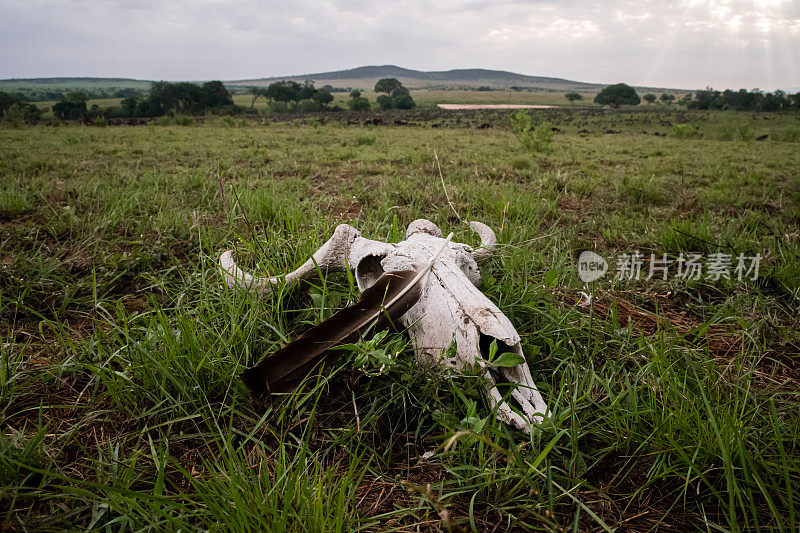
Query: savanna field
[674, 403]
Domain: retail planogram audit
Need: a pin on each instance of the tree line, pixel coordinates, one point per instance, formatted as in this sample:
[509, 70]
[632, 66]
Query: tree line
[164, 98]
[39, 95]
[742, 100]
[293, 96]
[186, 98]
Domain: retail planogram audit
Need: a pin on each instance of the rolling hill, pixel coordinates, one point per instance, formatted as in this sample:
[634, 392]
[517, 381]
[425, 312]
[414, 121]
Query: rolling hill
[360, 77]
[474, 77]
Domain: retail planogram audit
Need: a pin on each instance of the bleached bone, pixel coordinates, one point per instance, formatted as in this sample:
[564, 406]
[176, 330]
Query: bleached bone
[450, 309]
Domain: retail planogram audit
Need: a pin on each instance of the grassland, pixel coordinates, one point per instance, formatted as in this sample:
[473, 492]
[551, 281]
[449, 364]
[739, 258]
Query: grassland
[675, 402]
[429, 97]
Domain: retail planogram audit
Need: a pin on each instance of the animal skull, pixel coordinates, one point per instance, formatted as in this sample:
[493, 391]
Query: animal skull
[451, 307]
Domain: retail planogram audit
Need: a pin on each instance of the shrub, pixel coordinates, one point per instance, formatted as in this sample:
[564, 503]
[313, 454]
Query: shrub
[365, 140]
[746, 132]
[536, 140]
[307, 106]
[278, 107]
[183, 120]
[100, 122]
[404, 101]
[685, 131]
[315, 122]
[358, 104]
[725, 134]
[385, 102]
[790, 135]
[13, 116]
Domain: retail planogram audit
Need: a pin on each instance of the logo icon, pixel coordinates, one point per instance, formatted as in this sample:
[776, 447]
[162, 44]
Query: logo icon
[591, 266]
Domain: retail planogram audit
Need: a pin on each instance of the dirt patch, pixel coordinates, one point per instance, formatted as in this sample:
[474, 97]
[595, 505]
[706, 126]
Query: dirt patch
[778, 366]
[493, 106]
[617, 479]
[660, 312]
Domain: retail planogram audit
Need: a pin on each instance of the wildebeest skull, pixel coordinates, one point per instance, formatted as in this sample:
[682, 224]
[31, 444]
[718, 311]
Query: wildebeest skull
[450, 309]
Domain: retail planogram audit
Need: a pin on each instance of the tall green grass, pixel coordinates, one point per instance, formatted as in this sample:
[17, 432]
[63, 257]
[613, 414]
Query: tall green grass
[674, 403]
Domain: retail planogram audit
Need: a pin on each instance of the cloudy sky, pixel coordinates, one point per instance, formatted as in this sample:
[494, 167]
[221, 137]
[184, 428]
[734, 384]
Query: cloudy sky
[682, 43]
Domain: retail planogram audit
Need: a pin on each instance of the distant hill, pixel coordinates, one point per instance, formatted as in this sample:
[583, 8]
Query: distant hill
[360, 77]
[473, 77]
[12, 83]
[43, 89]
[71, 81]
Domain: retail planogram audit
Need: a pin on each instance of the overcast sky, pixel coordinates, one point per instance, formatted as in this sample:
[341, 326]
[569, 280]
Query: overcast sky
[684, 43]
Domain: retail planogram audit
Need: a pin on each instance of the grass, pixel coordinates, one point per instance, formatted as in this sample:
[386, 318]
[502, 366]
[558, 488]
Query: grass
[675, 403]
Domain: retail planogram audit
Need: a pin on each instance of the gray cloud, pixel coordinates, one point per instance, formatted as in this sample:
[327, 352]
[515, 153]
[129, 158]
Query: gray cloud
[689, 43]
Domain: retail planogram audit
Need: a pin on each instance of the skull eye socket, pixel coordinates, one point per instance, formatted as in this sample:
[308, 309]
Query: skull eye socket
[485, 343]
[368, 270]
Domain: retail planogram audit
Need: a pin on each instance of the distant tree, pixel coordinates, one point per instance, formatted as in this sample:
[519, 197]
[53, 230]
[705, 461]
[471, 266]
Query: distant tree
[573, 97]
[183, 97]
[617, 95]
[306, 91]
[215, 94]
[307, 106]
[667, 98]
[403, 101]
[649, 98]
[388, 85]
[322, 97]
[72, 107]
[6, 101]
[78, 98]
[359, 103]
[399, 95]
[385, 101]
[355, 93]
[19, 112]
[256, 92]
[776, 101]
[128, 106]
[484, 88]
[125, 93]
[281, 91]
[31, 113]
[400, 91]
[290, 91]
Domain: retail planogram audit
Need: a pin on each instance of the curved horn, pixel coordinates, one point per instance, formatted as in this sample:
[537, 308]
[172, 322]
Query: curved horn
[488, 240]
[331, 256]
